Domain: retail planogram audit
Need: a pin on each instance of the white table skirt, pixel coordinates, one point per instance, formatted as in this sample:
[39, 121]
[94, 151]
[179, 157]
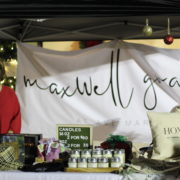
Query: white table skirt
[18, 175]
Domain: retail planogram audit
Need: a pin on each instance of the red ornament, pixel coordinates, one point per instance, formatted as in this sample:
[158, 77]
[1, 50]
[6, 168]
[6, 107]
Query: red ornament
[168, 39]
[92, 43]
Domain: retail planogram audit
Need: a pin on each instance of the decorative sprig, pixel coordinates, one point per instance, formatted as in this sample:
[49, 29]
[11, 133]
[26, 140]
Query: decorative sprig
[116, 138]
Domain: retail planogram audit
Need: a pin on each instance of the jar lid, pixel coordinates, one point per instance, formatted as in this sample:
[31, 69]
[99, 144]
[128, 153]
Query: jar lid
[107, 151]
[72, 160]
[122, 150]
[86, 151]
[115, 159]
[75, 152]
[97, 151]
[92, 160]
[119, 151]
[102, 160]
[112, 150]
[98, 148]
[82, 159]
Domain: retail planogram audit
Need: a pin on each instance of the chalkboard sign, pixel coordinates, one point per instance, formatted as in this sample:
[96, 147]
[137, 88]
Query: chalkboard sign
[75, 136]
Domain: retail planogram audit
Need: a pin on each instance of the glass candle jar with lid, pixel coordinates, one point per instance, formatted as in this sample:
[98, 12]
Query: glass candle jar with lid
[75, 153]
[107, 153]
[86, 153]
[115, 162]
[72, 162]
[103, 162]
[97, 153]
[121, 154]
[92, 162]
[82, 162]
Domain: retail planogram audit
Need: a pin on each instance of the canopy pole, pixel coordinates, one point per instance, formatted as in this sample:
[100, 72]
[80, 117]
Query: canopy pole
[25, 30]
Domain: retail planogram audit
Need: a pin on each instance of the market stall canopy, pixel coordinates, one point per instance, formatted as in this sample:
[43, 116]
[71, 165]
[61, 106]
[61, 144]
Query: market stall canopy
[53, 20]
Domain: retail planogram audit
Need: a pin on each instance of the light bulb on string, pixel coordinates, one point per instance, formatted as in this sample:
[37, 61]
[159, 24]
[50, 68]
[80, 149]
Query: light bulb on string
[10, 81]
[168, 39]
[2, 82]
[1, 48]
[147, 30]
[12, 86]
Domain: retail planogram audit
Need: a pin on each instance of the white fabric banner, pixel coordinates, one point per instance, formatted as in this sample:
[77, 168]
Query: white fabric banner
[111, 86]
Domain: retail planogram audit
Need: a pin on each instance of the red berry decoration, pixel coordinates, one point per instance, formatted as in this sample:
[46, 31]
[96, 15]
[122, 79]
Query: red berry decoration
[118, 142]
[168, 39]
[105, 145]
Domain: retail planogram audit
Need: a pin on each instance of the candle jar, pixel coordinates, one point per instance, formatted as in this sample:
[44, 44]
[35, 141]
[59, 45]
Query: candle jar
[115, 162]
[121, 154]
[107, 153]
[103, 162]
[72, 162]
[86, 153]
[97, 153]
[75, 153]
[82, 163]
[92, 162]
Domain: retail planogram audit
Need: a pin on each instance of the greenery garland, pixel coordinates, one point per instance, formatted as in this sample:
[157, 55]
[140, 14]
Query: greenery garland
[9, 81]
[8, 51]
[116, 138]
